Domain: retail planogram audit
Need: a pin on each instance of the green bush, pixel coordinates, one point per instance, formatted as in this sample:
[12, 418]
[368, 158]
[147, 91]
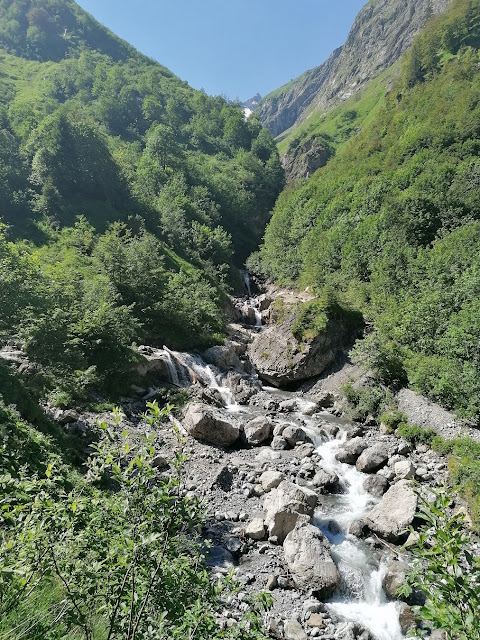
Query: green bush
[415, 434]
[117, 555]
[445, 570]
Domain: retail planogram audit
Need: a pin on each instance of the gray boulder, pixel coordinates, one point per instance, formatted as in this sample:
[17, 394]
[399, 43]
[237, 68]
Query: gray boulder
[208, 424]
[373, 458]
[271, 479]
[294, 435]
[376, 485]
[307, 554]
[394, 513]
[258, 430]
[395, 575]
[293, 630]
[223, 356]
[351, 450]
[284, 505]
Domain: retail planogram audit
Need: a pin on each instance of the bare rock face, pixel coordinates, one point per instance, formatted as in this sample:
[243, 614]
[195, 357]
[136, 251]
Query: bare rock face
[207, 424]
[394, 513]
[284, 505]
[382, 31]
[307, 554]
[280, 359]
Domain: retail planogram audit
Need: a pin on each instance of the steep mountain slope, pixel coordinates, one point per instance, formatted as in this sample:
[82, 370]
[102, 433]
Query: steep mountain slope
[129, 195]
[392, 222]
[382, 31]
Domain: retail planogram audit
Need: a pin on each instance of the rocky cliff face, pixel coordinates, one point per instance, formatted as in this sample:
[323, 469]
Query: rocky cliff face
[381, 33]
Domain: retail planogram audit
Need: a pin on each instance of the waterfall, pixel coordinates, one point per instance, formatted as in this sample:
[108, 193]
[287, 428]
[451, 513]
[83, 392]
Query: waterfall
[252, 302]
[186, 369]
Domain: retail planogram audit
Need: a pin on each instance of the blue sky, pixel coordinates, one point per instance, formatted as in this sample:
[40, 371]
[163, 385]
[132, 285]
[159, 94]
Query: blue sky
[231, 47]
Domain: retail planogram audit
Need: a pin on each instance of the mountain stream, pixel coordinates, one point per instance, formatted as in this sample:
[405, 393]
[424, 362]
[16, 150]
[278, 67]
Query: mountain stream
[360, 597]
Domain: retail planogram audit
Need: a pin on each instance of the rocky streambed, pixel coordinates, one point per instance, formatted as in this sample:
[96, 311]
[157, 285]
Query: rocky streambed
[300, 501]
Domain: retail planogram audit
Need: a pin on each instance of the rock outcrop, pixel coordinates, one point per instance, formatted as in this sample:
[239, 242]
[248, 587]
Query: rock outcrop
[382, 32]
[280, 359]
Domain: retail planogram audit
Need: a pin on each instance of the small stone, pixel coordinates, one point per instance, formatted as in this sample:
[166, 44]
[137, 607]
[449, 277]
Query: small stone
[271, 479]
[271, 583]
[293, 630]
[283, 583]
[304, 450]
[279, 443]
[255, 529]
[233, 544]
[404, 470]
[315, 620]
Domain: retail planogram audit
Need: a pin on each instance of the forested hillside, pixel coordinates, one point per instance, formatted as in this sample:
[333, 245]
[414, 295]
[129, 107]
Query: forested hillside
[393, 221]
[125, 195]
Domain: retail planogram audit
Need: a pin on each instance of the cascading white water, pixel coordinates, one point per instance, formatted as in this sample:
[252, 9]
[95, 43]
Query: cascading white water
[361, 597]
[252, 303]
[192, 369]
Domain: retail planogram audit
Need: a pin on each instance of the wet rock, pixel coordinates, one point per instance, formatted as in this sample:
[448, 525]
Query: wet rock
[264, 400]
[219, 557]
[358, 528]
[255, 529]
[271, 479]
[351, 450]
[208, 424]
[293, 630]
[405, 469]
[307, 554]
[373, 459]
[223, 356]
[325, 481]
[394, 513]
[304, 450]
[288, 405]
[406, 617]
[241, 386]
[284, 505]
[293, 434]
[395, 575]
[258, 430]
[376, 485]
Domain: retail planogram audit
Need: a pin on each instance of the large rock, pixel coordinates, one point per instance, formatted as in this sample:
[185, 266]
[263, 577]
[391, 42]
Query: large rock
[293, 434]
[293, 630]
[307, 554]
[351, 450]
[394, 513]
[373, 458]
[271, 479]
[258, 430]
[223, 356]
[208, 424]
[284, 505]
[394, 577]
[377, 485]
[280, 359]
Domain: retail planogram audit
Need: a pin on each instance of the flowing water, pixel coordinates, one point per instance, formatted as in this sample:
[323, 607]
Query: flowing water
[360, 597]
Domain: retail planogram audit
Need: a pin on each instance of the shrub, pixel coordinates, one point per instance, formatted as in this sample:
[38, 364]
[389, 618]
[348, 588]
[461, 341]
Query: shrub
[415, 434]
[445, 570]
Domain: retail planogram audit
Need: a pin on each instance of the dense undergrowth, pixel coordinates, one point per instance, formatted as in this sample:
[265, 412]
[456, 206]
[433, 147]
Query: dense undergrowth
[392, 221]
